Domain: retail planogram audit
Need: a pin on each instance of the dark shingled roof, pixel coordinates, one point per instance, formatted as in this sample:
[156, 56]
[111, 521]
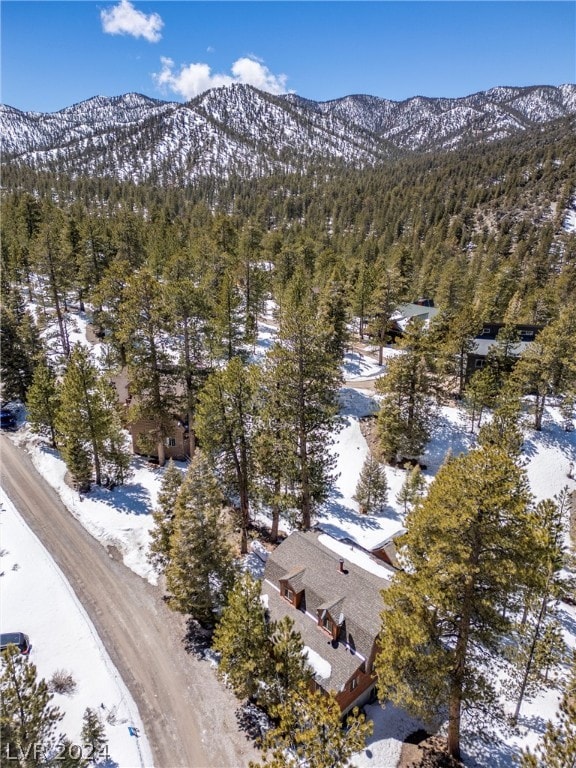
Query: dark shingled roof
[353, 597]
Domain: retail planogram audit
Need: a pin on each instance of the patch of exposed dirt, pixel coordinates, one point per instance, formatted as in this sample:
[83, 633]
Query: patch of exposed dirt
[420, 750]
[368, 428]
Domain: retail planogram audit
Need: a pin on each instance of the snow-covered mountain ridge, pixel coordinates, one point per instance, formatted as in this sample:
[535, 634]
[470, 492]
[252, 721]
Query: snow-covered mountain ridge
[240, 130]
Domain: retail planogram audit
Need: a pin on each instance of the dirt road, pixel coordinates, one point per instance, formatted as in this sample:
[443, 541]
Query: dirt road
[188, 716]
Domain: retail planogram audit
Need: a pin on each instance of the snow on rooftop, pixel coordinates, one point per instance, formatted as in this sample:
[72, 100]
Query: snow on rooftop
[352, 554]
[320, 666]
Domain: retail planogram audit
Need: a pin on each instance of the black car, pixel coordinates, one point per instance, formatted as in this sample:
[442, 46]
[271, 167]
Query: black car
[15, 638]
[7, 420]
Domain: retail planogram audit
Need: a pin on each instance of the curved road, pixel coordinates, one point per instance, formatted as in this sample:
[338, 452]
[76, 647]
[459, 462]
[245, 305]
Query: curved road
[188, 716]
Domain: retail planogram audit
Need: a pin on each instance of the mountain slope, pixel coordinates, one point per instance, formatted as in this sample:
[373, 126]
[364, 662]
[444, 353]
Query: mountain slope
[240, 130]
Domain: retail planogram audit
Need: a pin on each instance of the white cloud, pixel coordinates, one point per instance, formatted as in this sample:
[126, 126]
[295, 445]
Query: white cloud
[193, 79]
[124, 19]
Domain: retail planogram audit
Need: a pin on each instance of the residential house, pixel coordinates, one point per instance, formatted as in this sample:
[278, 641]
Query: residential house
[332, 590]
[488, 338]
[422, 310]
[176, 442]
[177, 439]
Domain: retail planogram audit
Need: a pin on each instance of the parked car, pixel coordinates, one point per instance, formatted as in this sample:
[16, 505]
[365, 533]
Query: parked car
[15, 638]
[7, 420]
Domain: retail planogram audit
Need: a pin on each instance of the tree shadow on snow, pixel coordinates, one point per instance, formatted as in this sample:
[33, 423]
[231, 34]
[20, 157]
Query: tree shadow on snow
[489, 753]
[337, 517]
[356, 364]
[447, 437]
[134, 499]
[552, 436]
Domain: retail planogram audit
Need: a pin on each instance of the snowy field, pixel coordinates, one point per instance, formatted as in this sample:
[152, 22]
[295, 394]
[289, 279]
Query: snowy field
[37, 599]
[122, 518]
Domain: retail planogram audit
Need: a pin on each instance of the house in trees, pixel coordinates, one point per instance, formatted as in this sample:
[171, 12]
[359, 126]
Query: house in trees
[142, 430]
[176, 441]
[422, 309]
[332, 592]
[487, 339]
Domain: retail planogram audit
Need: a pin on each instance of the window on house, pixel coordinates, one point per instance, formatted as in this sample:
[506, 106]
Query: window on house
[479, 362]
[526, 334]
[486, 331]
[288, 594]
[353, 683]
[171, 442]
[327, 623]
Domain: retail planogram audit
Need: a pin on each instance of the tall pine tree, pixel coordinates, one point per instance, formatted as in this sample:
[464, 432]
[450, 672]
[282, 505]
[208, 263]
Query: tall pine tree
[225, 422]
[470, 548]
[304, 379]
[242, 638]
[372, 489]
[163, 517]
[407, 410]
[200, 568]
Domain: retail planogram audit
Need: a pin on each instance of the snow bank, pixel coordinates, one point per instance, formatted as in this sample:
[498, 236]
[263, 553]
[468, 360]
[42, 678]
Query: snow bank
[37, 600]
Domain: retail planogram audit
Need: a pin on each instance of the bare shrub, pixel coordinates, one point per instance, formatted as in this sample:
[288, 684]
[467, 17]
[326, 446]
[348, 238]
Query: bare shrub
[62, 682]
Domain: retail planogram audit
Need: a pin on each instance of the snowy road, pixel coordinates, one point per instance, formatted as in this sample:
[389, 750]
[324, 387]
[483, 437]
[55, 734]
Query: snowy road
[188, 716]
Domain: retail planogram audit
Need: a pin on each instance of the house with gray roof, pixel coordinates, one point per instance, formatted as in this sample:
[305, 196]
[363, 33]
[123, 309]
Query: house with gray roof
[334, 596]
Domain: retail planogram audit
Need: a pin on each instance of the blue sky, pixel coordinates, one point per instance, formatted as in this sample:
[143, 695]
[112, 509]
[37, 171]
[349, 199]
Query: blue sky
[56, 53]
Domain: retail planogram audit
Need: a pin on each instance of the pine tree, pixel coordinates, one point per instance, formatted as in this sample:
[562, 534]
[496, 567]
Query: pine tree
[93, 734]
[275, 459]
[557, 747]
[333, 311]
[480, 394]
[504, 430]
[163, 517]
[27, 719]
[304, 381]
[88, 422]
[372, 489]
[470, 549]
[115, 455]
[225, 424]
[188, 317]
[310, 732]
[199, 571]
[226, 324]
[503, 354]
[288, 666]
[242, 638]
[362, 292]
[540, 648]
[406, 411]
[251, 279]
[548, 367]
[455, 333]
[21, 347]
[152, 373]
[43, 402]
[274, 463]
[383, 302]
[413, 488]
[51, 262]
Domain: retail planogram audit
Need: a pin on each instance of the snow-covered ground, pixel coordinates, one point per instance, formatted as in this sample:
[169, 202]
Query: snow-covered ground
[37, 599]
[122, 518]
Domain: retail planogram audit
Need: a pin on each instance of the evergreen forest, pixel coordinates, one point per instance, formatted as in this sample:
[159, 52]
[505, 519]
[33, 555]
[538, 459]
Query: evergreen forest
[174, 280]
